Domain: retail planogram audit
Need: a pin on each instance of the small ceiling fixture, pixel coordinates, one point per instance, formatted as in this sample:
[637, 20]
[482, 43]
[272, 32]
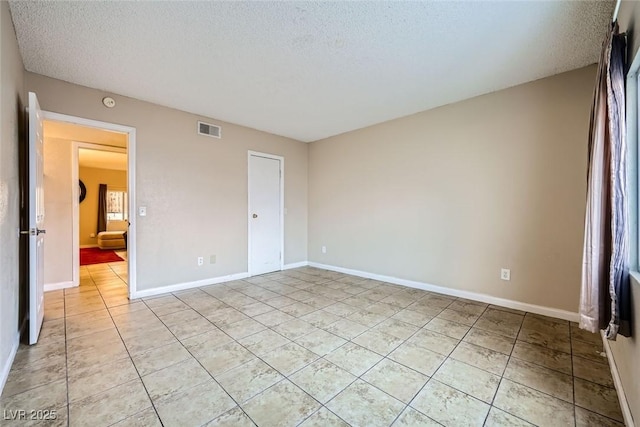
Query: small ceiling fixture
[109, 102]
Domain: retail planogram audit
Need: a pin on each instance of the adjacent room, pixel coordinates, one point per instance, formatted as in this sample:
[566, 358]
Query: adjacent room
[85, 194]
[319, 213]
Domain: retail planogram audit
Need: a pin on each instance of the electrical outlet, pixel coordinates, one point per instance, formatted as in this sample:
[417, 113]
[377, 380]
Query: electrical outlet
[92, 235]
[324, 249]
[200, 261]
[505, 274]
[212, 259]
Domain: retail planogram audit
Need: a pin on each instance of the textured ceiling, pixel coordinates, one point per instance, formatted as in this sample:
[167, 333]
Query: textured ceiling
[307, 70]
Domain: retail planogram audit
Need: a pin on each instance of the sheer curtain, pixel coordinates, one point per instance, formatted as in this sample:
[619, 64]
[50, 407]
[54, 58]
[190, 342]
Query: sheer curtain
[604, 300]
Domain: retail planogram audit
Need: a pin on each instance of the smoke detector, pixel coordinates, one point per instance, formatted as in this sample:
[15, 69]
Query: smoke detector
[109, 102]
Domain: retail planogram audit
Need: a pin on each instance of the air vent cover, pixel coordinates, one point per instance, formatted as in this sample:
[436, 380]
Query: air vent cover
[208, 129]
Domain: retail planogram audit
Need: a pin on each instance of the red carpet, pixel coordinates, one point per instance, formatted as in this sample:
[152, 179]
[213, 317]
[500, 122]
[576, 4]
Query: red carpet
[98, 256]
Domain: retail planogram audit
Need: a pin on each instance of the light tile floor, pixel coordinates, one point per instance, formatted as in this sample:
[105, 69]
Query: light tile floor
[303, 347]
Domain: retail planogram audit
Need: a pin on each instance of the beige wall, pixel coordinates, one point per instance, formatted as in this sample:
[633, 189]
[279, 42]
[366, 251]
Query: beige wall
[626, 351]
[58, 208]
[451, 195]
[92, 178]
[194, 187]
[11, 106]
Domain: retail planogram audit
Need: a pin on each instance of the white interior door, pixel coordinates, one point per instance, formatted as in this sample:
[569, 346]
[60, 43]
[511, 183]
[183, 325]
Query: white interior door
[265, 214]
[36, 220]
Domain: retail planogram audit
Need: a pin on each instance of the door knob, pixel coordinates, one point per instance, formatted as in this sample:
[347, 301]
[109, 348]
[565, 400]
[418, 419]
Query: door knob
[33, 231]
[255, 216]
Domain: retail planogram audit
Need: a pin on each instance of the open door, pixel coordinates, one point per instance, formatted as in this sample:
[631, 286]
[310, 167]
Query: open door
[36, 220]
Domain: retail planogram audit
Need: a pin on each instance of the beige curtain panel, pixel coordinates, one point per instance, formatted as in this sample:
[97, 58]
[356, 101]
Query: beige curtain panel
[605, 299]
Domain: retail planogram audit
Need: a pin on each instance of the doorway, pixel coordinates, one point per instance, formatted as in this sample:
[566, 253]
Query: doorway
[60, 218]
[266, 213]
[100, 212]
[94, 153]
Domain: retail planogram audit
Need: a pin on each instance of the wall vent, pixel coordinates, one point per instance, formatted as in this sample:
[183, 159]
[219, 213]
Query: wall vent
[208, 129]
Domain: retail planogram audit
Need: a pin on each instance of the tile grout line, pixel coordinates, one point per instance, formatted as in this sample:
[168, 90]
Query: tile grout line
[322, 357]
[321, 308]
[66, 344]
[66, 354]
[198, 361]
[285, 377]
[292, 341]
[573, 381]
[486, 417]
[440, 365]
[515, 340]
[385, 356]
[501, 376]
[130, 359]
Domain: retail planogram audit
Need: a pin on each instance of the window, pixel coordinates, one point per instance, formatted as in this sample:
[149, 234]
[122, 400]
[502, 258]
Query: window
[117, 205]
[633, 148]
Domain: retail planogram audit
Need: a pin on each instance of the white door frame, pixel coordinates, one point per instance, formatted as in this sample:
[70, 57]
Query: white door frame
[131, 185]
[281, 159]
[75, 176]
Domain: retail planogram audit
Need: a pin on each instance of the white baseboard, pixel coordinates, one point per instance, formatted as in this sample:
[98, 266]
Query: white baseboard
[60, 285]
[188, 285]
[617, 382]
[6, 367]
[205, 282]
[517, 305]
[295, 265]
